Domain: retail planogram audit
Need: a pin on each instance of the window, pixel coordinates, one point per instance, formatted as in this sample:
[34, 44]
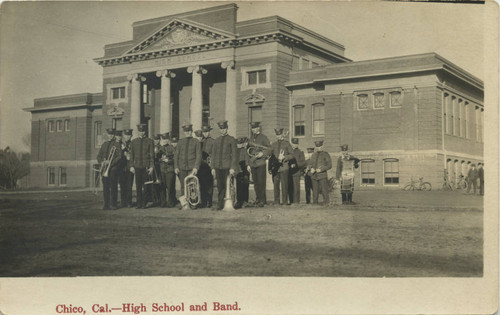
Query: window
[318, 116]
[62, 176]
[118, 93]
[51, 175]
[378, 100]
[299, 128]
[66, 125]
[97, 134]
[117, 123]
[256, 77]
[363, 101]
[396, 99]
[391, 172]
[255, 114]
[368, 172]
[59, 125]
[50, 126]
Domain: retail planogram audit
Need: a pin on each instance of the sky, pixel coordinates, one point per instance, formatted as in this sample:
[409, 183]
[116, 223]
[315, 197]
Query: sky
[47, 48]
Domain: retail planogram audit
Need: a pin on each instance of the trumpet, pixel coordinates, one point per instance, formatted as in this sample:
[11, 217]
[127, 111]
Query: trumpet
[230, 198]
[191, 197]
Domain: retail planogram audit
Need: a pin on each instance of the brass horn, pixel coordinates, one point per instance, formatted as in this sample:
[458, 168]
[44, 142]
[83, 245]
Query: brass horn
[230, 198]
[191, 197]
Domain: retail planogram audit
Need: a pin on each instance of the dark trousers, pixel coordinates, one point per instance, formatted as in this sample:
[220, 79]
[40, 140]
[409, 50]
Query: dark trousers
[308, 187]
[167, 189]
[242, 184]
[155, 187]
[259, 184]
[221, 175]
[114, 175]
[281, 179]
[472, 183]
[127, 179]
[320, 185]
[481, 187]
[140, 178]
[106, 191]
[294, 188]
[206, 185]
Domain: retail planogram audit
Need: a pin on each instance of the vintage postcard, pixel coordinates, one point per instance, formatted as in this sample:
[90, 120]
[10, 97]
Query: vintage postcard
[203, 157]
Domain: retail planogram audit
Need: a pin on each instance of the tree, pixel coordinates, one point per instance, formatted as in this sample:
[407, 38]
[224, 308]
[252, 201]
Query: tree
[13, 166]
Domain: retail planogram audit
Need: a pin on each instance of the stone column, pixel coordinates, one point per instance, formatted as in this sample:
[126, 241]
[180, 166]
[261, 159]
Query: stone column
[196, 108]
[231, 106]
[135, 101]
[165, 105]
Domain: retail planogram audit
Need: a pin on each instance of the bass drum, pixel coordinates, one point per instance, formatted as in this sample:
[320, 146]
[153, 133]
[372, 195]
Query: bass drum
[347, 181]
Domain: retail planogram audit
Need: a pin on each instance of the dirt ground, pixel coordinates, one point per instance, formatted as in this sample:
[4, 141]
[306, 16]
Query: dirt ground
[386, 234]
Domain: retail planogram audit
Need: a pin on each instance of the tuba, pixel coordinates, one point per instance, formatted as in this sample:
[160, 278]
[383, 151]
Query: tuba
[191, 197]
[230, 198]
[254, 149]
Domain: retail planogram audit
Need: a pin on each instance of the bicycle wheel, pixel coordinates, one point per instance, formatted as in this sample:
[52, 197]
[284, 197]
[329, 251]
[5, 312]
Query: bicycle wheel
[426, 186]
[463, 185]
[408, 187]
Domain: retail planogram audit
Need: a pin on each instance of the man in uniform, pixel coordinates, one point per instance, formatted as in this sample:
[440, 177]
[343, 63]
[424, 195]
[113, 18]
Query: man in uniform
[167, 175]
[472, 178]
[346, 164]
[187, 157]
[243, 176]
[320, 163]
[116, 172]
[282, 151]
[142, 161]
[296, 164]
[223, 160]
[307, 175]
[172, 199]
[109, 161]
[257, 165]
[155, 186]
[127, 178]
[208, 181]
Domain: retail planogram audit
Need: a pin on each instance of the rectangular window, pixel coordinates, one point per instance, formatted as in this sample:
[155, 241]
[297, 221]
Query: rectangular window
[257, 77]
[255, 114]
[391, 172]
[117, 123]
[368, 172]
[378, 100]
[363, 102]
[50, 126]
[97, 134]
[59, 125]
[62, 176]
[66, 125]
[318, 116]
[51, 175]
[299, 121]
[118, 92]
[396, 99]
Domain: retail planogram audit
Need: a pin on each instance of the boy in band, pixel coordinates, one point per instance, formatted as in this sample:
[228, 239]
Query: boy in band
[296, 165]
[320, 163]
[243, 176]
[223, 160]
[205, 172]
[282, 151]
[187, 158]
[172, 198]
[127, 178]
[109, 162]
[167, 175]
[307, 175]
[257, 165]
[142, 160]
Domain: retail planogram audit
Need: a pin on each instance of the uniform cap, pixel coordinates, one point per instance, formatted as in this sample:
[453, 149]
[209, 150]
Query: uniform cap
[295, 140]
[127, 132]
[142, 127]
[255, 124]
[318, 143]
[222, 124]
[344, 147]
[198, 133]
[118, 133]
[278, 131]
[110, 131]
[206, 128]
[174, 139]
[165, 135]
[187, 127]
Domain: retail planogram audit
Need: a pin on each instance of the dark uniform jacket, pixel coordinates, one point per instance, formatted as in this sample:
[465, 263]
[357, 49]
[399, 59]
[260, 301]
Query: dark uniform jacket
[321, 160]
[142, 153]
[206, 147]
[480, 174]
[104, 153]
[472, 174]
[167, 158]
[126, 147]
[276, 148]
[224, 153]
[243, 159]
[259, 139]
[188, 154]
[300, 159]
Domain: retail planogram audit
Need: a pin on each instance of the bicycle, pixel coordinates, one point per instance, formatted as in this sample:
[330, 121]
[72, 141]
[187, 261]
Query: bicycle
[417, 185]
[462, 183]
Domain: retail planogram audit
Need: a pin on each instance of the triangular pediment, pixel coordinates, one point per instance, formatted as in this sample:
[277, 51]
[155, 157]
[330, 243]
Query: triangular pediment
[179, 33]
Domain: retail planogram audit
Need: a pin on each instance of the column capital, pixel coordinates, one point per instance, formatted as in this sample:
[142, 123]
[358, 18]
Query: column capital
[165, 73]
[197, 69]
[228, 64]
[136, 77]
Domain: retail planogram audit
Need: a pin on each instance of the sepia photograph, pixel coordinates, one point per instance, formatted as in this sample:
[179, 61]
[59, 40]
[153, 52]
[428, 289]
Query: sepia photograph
[295, 157]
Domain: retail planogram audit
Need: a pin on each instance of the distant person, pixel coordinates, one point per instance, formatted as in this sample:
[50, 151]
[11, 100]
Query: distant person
[480, 175]
[472, 178]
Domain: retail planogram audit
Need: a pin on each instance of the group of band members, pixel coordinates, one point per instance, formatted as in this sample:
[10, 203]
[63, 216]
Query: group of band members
[155, 163]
